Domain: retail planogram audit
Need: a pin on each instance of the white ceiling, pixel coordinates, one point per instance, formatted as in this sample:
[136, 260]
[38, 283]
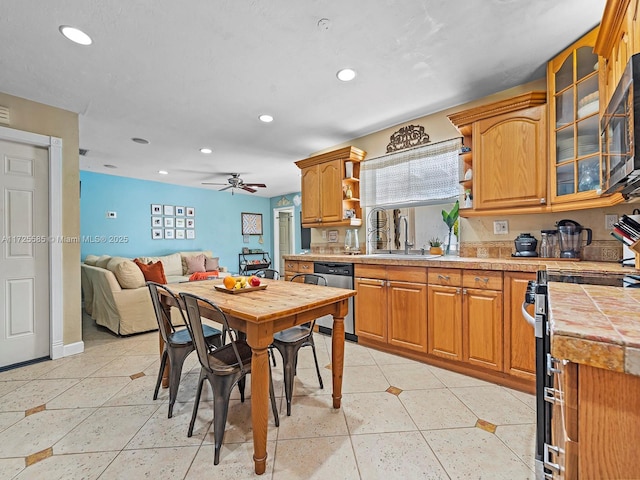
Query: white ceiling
[188, 74]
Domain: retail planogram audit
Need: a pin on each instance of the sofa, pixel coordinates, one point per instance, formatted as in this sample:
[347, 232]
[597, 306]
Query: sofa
[115, 294]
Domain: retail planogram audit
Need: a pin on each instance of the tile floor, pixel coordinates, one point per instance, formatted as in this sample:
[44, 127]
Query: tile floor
[92, 416]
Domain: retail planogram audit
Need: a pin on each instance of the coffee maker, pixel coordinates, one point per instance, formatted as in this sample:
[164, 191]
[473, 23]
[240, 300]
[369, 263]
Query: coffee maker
[569, 238]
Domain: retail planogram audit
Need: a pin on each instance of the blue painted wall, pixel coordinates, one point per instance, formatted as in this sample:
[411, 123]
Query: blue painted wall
[217, 218]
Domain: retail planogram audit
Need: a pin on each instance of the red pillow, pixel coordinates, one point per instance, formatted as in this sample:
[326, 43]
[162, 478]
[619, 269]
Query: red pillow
[153, 272]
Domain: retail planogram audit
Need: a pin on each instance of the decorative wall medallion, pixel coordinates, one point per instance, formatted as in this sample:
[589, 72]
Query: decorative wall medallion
[407, 137]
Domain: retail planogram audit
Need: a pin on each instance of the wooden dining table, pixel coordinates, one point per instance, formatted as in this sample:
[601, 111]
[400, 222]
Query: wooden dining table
[260, 314]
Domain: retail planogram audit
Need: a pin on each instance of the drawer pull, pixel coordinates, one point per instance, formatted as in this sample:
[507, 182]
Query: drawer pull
[444, 277]
[484, 280]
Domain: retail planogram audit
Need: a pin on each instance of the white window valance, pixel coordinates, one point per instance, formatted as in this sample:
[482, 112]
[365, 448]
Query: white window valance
[418, 176]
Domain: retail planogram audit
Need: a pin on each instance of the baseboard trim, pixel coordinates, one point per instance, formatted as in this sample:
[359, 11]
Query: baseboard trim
[73, 348]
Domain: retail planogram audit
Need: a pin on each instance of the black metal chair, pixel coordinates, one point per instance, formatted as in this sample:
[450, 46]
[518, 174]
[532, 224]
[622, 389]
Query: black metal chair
[178, 343]
[288, 342]
[268, 273]
[223, 367]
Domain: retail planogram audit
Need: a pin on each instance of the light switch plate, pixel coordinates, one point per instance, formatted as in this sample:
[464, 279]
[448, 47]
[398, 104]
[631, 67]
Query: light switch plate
[501, 227]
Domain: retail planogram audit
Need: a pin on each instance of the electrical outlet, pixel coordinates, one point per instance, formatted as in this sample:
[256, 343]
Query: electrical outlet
[609, 220]
[500, 227]
[112, 215]
[324, 234]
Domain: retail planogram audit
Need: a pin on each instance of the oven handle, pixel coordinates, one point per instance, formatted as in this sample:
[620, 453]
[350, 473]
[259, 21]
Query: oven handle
[530, 320]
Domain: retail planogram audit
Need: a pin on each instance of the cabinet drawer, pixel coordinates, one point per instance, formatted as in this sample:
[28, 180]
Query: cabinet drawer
[483, 279]
[291, 265]
[445, 276]
[305, 267]
[407, 274]
[370, 271]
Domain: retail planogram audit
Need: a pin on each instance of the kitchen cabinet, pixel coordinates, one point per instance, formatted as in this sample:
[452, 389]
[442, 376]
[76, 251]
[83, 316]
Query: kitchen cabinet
[293, 267]
[574, 134]
[465, 316]
[508, 155]
[519, 336]
[617, 40]
[445, 313]
[330, 190]
[482, 343]
[391, 305]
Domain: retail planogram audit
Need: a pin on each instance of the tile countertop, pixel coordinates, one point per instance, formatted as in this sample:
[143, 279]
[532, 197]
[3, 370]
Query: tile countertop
[596, 325]
[512, 265]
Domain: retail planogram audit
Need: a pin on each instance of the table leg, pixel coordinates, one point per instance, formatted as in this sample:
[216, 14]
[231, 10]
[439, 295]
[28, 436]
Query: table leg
[337, 359]
[259, 405]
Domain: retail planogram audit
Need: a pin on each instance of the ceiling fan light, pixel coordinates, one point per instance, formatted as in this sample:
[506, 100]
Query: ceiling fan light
[163, 172]
[75, 35]
[346, 74]
[265, 118]
[206, 150]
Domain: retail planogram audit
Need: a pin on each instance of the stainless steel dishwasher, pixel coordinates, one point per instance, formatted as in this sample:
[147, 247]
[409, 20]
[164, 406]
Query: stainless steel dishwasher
[338, 275]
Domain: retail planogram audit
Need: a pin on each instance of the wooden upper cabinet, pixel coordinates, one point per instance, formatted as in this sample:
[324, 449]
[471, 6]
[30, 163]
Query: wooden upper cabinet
[510, 160]
[324, 183]
[574, 128]
[508, 155]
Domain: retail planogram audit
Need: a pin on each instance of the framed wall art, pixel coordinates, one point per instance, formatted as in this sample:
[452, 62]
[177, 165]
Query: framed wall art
[179, 234]
[156, 221]
[156, 234]
[168, 222]
[179, 222]
[179, 211]
[168, 209]
[156, 209]
[191, 234]
[169, 234]
[190, 211]
[251, 224]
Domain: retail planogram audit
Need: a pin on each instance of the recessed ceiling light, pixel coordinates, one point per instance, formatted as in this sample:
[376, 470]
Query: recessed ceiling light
[205, 150]
[142, 141]
[265, 118]
[109, 166]
[163, 172]
[75, 35]
[346, 74]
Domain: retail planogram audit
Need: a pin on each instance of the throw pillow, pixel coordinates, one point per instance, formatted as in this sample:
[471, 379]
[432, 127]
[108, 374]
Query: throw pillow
[195, 264]
[91, 260]
[102, 261]
[127, 273]
[154, 272]
[212, 264]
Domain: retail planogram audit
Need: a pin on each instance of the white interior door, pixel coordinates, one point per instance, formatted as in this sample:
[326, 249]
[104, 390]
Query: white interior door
[24, 253]
[283, 237]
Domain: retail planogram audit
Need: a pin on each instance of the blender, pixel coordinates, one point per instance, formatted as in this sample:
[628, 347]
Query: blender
[569, 237]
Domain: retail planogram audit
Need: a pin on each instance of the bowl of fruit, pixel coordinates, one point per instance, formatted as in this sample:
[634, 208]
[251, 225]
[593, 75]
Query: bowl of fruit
[240, 284]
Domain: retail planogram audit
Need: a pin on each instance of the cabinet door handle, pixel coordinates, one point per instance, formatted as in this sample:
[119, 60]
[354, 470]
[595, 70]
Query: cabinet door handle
[543, 200]
[464, 291]
[443, 277]
[457, 291]
[484, 280]
[305, 267]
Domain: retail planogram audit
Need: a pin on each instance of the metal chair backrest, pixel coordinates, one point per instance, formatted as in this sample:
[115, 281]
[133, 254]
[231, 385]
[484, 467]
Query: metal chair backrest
[164, 321]
[310, 278]
[195, 323]
[268, 273]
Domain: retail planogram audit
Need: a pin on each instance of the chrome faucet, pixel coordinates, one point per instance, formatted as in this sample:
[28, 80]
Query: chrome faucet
[406, 235]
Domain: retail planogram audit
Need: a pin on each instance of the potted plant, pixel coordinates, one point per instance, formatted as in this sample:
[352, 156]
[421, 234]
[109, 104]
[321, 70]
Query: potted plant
[435, 246]
[450, 218]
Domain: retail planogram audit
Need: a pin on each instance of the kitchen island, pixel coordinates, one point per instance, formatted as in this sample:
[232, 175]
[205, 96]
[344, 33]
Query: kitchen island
[595, 333]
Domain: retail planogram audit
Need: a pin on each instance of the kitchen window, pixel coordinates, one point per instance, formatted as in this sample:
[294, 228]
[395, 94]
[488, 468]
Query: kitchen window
[425, 175]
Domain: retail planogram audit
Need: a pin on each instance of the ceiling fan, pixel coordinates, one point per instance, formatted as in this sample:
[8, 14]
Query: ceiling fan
[236, 182]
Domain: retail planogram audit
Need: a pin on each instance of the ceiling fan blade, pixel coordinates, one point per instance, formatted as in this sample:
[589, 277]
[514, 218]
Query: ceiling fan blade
[212, 183]
[261, 185]
[244, 187]
[225, 188]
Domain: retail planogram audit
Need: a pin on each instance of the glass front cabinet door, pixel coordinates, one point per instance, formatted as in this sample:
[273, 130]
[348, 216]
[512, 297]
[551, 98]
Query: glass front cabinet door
[574, 108]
